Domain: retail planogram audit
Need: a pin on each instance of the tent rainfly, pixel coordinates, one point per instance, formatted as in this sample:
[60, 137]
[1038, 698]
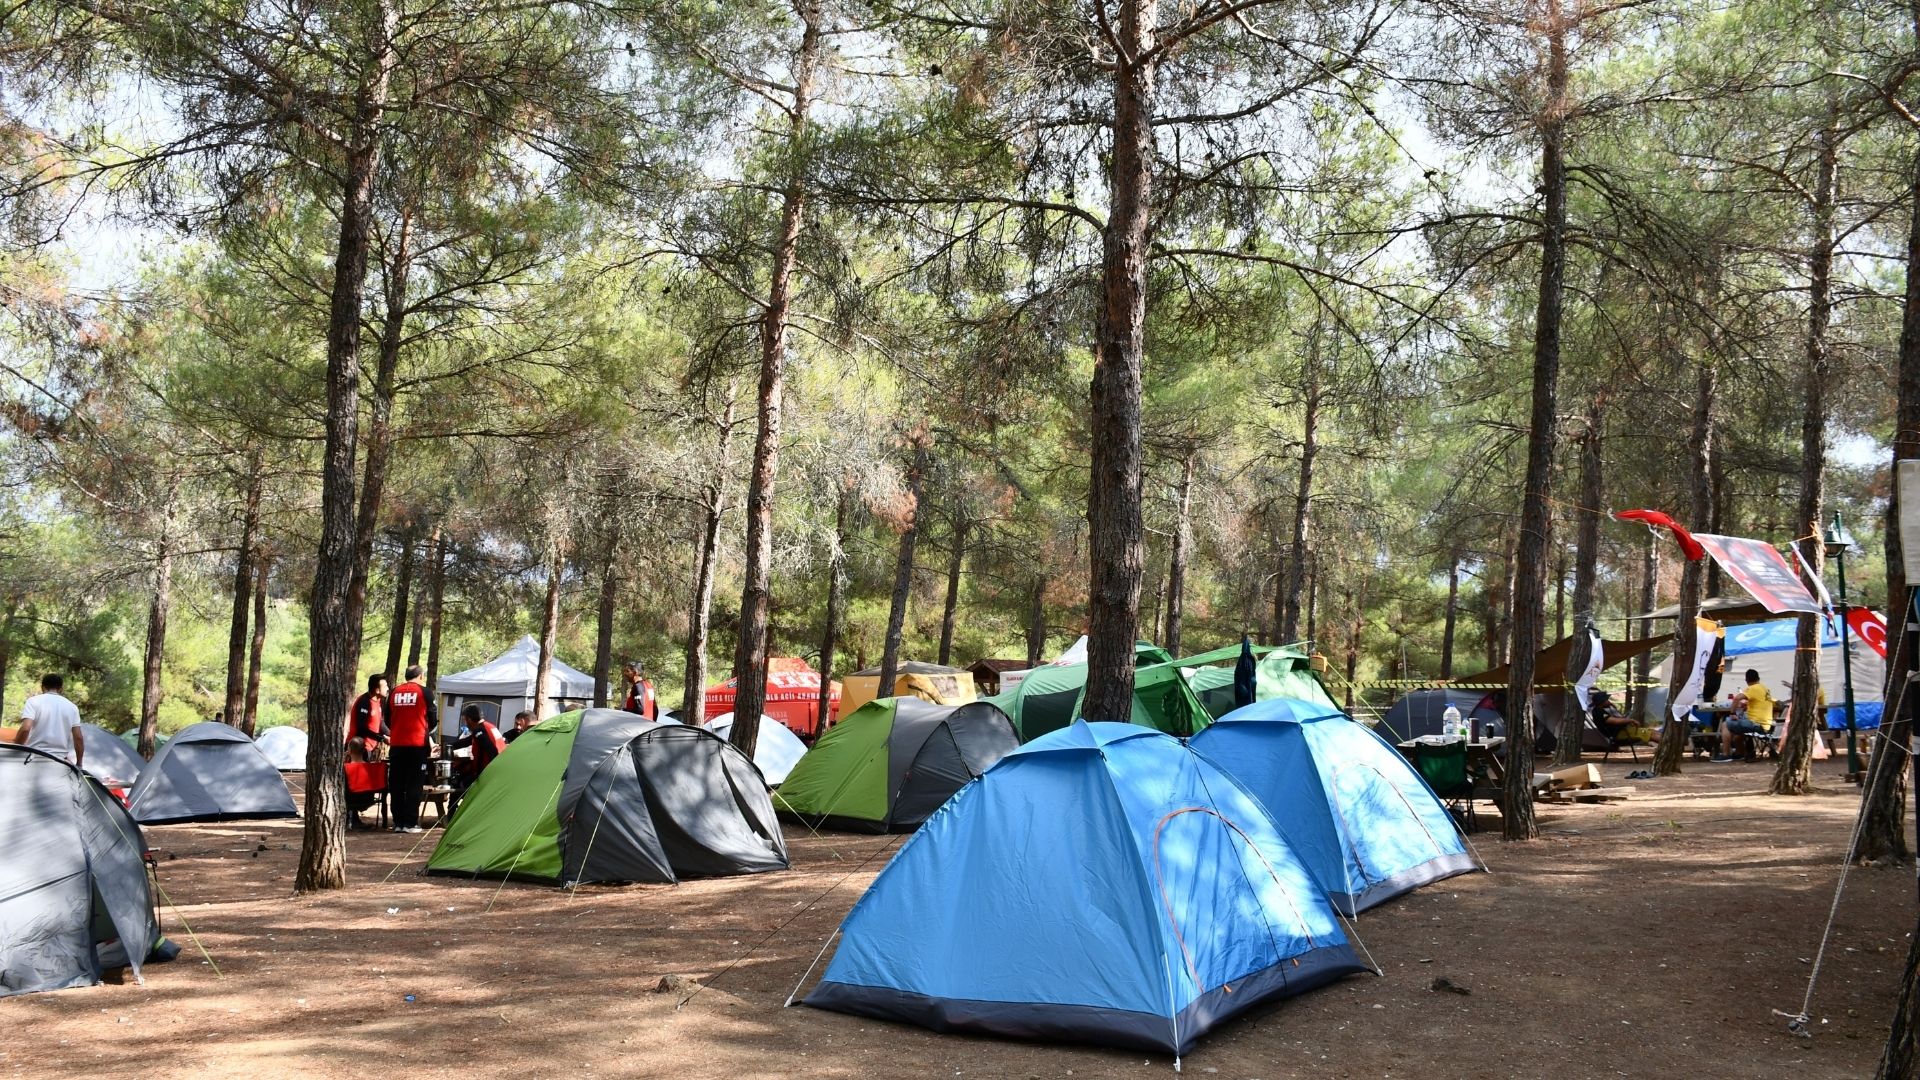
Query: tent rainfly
[74, 896]
[894, 761]
[209, 772]
[109, 759]
[504, 686]
[1048, 698]
[604, 795]
[1280, 672]
[1101, 884]
[1361, 819]
[776, 752]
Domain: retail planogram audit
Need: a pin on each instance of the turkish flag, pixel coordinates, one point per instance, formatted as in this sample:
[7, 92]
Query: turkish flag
[1868, 626]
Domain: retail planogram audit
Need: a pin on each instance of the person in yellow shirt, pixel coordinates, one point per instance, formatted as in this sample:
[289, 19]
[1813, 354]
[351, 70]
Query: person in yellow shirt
[1759, 718]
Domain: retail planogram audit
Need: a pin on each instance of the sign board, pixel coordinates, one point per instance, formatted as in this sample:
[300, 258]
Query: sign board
[1762, 571]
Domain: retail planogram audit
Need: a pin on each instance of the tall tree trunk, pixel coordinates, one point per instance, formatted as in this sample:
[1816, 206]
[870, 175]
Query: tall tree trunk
[1529, 608]
[836, 600]
[160, 604]
[1303, 490]
[903, 571]
[402, 596]
[1716, 522]
[1177, 560]
[1559, 594]
[756, 592]
[549, 631]
[379, 435]
[256, 651]
[420, 610]
[1674, 734]
[1796, 750]
[1883, 833]
[1901, 1058]
[1649, 596]
[1586, 565]
[603, 620]
[436, 608]
[1358, 625]
[236, 696]
[1113, 492]
[693, 698]
[956, 562]
[335, 633]
[1037, 623]
[1452, 617]
[1313, 596]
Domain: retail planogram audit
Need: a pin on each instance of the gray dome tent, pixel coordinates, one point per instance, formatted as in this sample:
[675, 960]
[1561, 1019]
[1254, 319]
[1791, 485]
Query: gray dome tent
[209, 772]
[74, 897]
[108, 758]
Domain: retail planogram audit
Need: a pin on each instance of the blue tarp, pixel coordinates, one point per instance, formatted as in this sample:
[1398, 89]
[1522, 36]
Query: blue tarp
[1776, 636]
[1361, 819]
[1102, 884]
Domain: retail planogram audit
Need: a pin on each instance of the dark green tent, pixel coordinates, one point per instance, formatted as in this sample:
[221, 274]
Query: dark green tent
[1049, 698]
[893, 762]
[1281, 672]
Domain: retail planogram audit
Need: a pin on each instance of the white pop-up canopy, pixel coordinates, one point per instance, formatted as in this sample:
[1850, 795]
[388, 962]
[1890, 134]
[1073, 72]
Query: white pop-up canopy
[504, 685]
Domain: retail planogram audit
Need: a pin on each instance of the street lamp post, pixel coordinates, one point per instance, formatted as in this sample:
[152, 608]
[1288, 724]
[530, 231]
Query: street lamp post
[1839, 542]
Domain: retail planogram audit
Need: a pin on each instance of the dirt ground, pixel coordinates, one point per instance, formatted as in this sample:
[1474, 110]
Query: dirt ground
[1651, 937]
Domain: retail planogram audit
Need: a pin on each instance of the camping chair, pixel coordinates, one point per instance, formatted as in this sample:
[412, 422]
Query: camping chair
[1626, 737]
[367, 787]
[1444, 767]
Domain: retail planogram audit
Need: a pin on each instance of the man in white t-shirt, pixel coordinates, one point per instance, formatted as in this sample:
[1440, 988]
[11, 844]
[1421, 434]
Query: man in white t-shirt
[48, 721]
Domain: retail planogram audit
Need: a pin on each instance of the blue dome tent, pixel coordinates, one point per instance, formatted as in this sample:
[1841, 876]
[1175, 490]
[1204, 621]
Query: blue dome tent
[1357, 814]
[1163, 904]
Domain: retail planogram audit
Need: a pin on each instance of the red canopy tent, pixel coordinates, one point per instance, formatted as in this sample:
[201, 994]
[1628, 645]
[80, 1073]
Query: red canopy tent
[793, 696]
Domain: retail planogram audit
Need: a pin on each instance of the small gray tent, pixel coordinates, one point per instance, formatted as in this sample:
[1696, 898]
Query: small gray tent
[74, 897]
[108, 758]
[209, 772]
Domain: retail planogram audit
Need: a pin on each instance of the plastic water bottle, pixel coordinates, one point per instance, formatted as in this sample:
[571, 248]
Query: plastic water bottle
[1450, 723]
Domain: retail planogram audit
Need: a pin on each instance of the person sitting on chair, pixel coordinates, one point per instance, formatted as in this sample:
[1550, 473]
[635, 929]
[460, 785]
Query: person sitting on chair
[1759, 718]
[483, 740]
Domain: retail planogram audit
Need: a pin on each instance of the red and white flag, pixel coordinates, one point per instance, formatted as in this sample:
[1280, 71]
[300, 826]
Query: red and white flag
[1868, 626]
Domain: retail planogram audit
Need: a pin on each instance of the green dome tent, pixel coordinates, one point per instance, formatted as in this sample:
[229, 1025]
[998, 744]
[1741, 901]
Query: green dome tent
[605, 795]
[1281, 672]
[892, 762]
[1048, 698]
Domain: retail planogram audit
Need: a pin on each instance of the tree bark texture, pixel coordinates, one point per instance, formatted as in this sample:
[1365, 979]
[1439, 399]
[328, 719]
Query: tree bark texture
[416, 635]
[436, 608]
[159, 606]
[836, 602]
[549, 631]
[378, 436]
[1452, 616]
[1795, 769]
[1530, 556]
[1586, 562]
[1295, 582]
[235, 702]
[1649, 596]
[1177, 559]
[1674, 734]
[603, 619]
[335, 633]
[1037, 623]
[956, 564]
[1901, 1058]
[402, 597]
[903, 571]
[756, 592]
[1883, 831]
[256, 652]
[693, 698]
[1114, 493]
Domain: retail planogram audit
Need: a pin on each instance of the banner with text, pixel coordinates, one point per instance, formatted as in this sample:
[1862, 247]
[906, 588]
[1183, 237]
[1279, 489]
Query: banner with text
[1705, 634]
[1762, 571]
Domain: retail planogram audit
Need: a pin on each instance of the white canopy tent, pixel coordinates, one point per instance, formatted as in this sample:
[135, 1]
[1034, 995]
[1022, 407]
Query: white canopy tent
[504, 686]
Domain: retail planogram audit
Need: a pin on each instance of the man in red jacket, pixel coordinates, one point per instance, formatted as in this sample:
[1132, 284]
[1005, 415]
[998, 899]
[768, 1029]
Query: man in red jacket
[407, 725]
[639, 692]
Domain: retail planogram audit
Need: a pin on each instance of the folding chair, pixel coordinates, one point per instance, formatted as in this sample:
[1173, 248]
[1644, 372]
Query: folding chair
[1444, 767]
[367, 787]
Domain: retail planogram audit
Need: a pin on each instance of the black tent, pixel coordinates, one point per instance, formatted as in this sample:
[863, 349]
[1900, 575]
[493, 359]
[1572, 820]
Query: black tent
[74, 896]
[209, 772]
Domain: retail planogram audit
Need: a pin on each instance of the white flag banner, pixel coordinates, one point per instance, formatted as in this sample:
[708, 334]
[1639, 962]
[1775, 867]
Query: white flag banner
[1706, 631]
[1596, 660]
